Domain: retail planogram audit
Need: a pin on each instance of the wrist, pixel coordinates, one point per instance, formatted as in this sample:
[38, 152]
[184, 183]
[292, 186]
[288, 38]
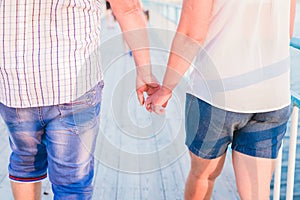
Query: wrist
[166, 90]
[144, 71]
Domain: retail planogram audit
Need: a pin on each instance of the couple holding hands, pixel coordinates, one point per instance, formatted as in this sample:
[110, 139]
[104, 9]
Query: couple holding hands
[239, 95]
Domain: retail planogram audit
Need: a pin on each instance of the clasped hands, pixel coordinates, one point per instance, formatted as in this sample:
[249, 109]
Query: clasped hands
[158, 95]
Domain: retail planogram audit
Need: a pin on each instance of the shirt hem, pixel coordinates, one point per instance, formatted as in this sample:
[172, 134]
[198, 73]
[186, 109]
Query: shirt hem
[231, 109]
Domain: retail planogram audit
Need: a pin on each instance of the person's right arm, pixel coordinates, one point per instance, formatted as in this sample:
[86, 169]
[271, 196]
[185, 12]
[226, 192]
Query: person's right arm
[191, 33]
[131, 18]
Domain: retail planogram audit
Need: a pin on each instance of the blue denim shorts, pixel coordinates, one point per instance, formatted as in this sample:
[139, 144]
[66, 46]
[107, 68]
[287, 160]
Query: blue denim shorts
[60, 139]
[209, 130]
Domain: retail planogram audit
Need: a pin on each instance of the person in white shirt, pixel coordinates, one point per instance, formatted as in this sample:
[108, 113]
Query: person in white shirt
[240, 89]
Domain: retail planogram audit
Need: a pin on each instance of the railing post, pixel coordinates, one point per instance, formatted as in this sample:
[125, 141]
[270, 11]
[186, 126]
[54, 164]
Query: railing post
[292, 154]
[277, 177]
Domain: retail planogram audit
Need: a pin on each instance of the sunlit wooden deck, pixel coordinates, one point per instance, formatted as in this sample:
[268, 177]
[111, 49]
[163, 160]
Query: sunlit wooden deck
[140, 156]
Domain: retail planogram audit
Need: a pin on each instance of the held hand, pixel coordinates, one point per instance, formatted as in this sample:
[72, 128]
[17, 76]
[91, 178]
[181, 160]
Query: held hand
[159, 100]
[148, 84]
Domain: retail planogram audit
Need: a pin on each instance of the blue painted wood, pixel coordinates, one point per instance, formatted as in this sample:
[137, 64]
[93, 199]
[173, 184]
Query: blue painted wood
[296, 99]
[295, 42]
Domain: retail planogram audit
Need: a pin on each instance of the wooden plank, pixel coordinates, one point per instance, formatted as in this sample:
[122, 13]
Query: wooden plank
[129, 179]
[105, 182]
[172, 174]
[225, 187]
[107, 157]
[47, 193]
[151, 183]
[4, 150]
[109, 140]
[4, 160]
[5, 190]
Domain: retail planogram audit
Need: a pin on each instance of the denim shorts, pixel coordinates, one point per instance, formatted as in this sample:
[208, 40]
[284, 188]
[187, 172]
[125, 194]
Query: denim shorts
[60, 139]
[209, 130]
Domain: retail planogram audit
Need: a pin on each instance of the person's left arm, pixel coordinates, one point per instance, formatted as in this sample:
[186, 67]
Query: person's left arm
[130, 15]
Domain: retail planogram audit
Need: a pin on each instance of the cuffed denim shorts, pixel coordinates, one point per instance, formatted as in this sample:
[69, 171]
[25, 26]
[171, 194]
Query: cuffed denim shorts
[209, 130]
[60, 139]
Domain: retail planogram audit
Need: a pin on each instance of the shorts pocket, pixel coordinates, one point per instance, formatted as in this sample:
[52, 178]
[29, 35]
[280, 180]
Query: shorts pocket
[82, 113]
[9, 115]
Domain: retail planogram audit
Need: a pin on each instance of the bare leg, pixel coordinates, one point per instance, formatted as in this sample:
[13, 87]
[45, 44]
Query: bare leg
[26, 191]
[202, 176]
[253, 176]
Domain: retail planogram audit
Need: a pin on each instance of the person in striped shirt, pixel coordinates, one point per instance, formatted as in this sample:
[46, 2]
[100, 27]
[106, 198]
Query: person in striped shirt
[50, 89]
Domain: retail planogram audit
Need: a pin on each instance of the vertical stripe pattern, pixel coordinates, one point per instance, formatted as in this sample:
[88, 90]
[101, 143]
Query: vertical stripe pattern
[49, 52]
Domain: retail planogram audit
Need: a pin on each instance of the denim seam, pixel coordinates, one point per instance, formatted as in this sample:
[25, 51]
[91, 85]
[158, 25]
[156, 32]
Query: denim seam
[18, 115]
[41, 116]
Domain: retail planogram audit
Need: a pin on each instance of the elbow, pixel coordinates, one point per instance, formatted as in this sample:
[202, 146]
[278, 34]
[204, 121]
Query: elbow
[198, 38]
[126, 9]
[197, 35]
[130, 11]
[188, 39]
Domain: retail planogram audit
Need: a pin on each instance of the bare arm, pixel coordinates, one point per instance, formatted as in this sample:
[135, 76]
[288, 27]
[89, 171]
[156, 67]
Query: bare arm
[292, 17]
[130, 16]
[191, 33]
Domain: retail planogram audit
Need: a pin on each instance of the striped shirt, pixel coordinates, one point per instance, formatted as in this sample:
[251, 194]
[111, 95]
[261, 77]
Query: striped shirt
[49, 51]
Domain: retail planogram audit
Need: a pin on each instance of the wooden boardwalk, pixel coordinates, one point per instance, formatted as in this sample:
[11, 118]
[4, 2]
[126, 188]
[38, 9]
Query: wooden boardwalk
[139, 156]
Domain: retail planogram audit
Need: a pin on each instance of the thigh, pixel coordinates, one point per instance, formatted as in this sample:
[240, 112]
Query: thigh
[28, 160]
[263, 134]
[253, 175]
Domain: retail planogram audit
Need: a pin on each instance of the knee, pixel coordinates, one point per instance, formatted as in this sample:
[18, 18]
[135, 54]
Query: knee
[205, 174]
[78, 175]
[72, 192]
[72, 184]
[208, 169]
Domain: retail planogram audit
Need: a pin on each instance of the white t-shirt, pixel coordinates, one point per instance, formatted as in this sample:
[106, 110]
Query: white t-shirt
[244, 64]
